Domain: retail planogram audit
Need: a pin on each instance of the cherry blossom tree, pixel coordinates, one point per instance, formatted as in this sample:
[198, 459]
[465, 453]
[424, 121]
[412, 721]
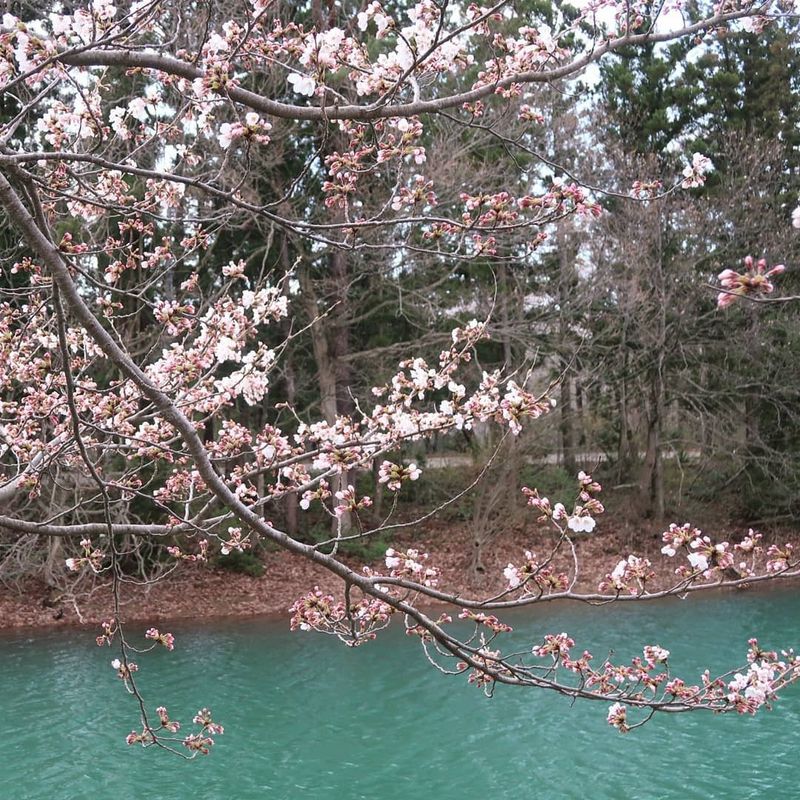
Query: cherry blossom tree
[127, 369]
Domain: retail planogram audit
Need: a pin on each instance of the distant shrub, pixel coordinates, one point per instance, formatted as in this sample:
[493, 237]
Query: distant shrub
[244, 563]
[370, 548]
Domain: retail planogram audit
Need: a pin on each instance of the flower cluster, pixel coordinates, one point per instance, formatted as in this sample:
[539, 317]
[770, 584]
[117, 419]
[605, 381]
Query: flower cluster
[203, 717]
[533, 577]
[419, 195]
[124, 668]
[586, 507]
[144, 738]
[694, 174]
[423, 633]
[393, 475]
[253, 129]
[167, 724]
[191, 558]
[618, 717]
[165, 639]
[174, 316]
[557, 646]
[411, 565]
[235, 541]
[353, 624]
[197, 743]
[487, 620]
[92, 556]
[109, 628]
[753, 281]
[645, 190]
[630, 575]
[349, 503]
[653, 654]
[711, 559]
[322, 492]
[748, 690]
[779, 557]
[490, 666]
[648, 679]
[582, 517]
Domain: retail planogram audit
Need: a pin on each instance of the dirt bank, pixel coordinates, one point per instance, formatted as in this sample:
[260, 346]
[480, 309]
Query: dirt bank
[199, 592]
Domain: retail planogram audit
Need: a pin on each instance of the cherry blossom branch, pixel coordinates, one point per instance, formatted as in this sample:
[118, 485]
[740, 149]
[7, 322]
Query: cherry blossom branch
[181, 69]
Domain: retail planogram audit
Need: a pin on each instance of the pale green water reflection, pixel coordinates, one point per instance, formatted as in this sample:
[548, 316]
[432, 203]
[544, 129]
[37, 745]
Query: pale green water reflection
[306, 717]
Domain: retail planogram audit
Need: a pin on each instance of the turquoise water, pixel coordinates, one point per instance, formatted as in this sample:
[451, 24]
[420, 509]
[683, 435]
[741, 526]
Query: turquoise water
[306, 717]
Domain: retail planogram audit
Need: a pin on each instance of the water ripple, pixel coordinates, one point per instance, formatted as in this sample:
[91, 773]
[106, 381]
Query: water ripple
[308, 718]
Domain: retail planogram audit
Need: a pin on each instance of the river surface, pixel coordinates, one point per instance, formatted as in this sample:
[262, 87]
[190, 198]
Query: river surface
[306, 717]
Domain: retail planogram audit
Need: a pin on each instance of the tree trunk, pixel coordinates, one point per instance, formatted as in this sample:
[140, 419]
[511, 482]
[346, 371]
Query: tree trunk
[340, 334]
[329, 347]
[652, 480]
[292, 501]
[505, 316]
[624, 455]
[326, 368]
[652, 475]
[566, 283]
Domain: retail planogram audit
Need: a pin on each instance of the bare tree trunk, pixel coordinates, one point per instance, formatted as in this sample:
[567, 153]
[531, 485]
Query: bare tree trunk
[54, 565]
[652, 476]
[566, 283]
[626, 457]
[505, 316]
[292, 501]
[340, 333]
[330, 342]
[326, 368]
[339, 350]
[652, 479]
[494, 502]
[752, 433]
[624, 454]
[566, 426]
[377, 493]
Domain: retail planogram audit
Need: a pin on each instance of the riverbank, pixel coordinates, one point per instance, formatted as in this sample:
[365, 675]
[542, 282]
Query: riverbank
[200, 592]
